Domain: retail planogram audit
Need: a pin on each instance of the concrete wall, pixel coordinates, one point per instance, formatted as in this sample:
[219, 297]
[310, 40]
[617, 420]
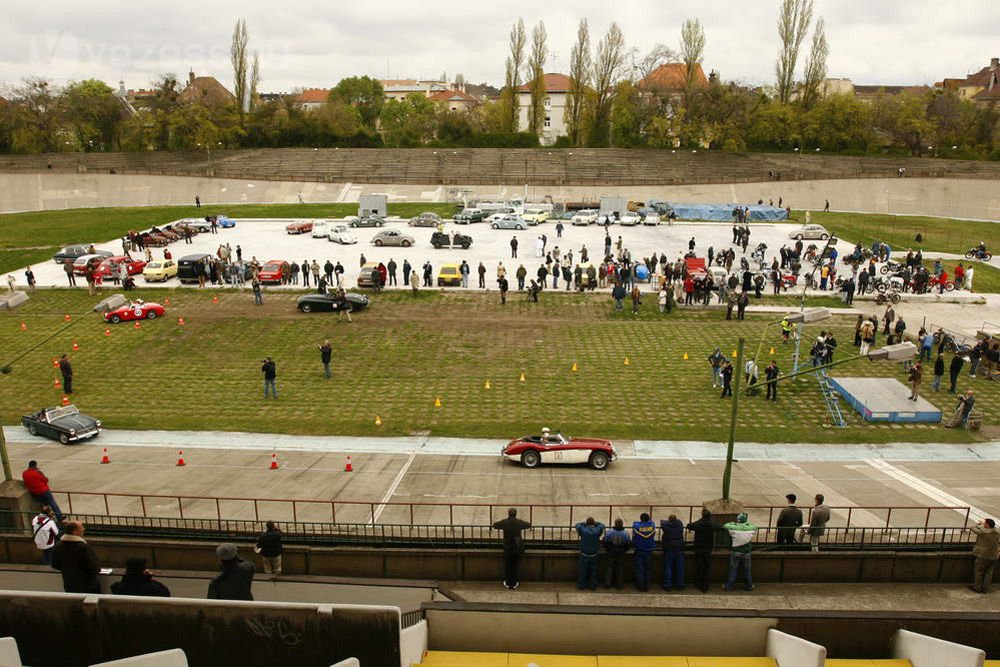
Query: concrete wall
[948, 197]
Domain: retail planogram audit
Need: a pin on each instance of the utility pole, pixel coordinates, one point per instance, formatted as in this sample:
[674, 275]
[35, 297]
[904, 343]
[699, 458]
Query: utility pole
[737, 373]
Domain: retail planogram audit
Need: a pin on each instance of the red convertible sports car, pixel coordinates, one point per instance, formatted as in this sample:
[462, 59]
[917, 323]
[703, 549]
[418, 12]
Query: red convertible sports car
[135, 310]
[299, 228]
[112, 266]
[532, 450]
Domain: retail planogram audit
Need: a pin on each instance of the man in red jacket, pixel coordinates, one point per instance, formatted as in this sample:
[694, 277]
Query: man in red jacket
[38, 486]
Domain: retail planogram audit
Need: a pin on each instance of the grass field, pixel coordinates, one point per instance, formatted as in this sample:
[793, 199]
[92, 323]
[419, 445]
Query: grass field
[35, 236]
[900, 231]
[404, 352]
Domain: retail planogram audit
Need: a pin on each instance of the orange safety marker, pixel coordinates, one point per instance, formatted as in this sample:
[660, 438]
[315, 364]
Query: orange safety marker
[274, 461]
[76, 347]
[772, 350]
[65, 400]
[137, 325]
[166, 302]
[56, 383]
[215, 299]
[437, 402]
[105, 459]
[55, 363]
[24, 326]
[574, 369]
[180, 458]
[627, 362]
[734, 354]
[378, 420]
[521, 379]
[348, 467]
[107, 332]
[685, 356]
[66, 317]
[180, 321]
[488, 384]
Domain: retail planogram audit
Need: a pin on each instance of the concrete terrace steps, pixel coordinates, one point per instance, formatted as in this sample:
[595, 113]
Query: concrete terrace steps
[482, 165]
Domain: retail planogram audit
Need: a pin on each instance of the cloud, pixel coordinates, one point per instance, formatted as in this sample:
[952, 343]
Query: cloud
[306, 43]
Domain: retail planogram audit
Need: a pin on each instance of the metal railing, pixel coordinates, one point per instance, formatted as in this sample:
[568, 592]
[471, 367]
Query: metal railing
[560, 537]
[374, 512]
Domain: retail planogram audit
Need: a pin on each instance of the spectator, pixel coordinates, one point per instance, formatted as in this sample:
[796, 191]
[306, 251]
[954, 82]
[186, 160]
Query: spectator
[616, 544]
[415, 282]
[644, 541]
[672, 541]
[704, 530]
[916, 377]
[789, 519]
[618, 294]
[235, 576]
[38, 486]
[954, 369]
[817, 522]
[985, 553]
[270, 377]
[74, 558]
[741, 532]
[44, 531]
[504, 286]
[325, 355]
[590, 532]
[66, 370]
[513, 546]
[938, 372]
[138, 580]
[270, 548]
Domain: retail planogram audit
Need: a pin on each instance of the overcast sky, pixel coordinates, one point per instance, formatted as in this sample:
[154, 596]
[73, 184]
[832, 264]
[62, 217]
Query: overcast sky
[314, 43]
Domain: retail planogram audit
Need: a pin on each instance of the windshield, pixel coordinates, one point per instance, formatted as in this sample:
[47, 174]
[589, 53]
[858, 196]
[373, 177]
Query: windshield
[154, 265]
[64, 411]
[271, 267]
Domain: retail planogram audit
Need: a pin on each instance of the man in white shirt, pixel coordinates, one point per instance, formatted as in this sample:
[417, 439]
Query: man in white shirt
[46, 533]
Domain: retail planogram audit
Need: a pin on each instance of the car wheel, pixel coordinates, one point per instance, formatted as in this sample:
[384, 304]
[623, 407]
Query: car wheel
[63, 438]
[354, 224]
[822, 237]
[530, 459]
[116, 319]
[305, 308]
[465, 246]
[378, 242]
[440, 283]
[151, 315]
[798, 237]
[378, 224]
[32, 430]
[599, 461]
[405, 244]
[496, 226]
[519, 227]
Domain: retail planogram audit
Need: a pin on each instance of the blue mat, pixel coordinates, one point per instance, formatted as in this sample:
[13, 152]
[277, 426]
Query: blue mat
[724, 212]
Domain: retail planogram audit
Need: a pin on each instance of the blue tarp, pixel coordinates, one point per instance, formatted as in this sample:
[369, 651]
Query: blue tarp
[724, 212]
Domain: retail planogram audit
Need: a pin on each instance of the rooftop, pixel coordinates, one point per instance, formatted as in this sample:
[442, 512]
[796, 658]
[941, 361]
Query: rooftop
[672, 76]
[554, 83]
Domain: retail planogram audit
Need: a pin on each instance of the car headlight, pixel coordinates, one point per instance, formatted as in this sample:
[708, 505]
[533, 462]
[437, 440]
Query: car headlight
[97, 423]
[72, 431]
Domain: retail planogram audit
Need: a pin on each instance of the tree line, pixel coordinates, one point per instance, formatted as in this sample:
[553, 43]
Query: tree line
[605, 106]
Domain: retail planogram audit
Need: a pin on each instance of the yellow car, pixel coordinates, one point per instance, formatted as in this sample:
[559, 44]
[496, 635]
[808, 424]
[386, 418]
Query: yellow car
[533, 216]
[449, 275]
[160, 270]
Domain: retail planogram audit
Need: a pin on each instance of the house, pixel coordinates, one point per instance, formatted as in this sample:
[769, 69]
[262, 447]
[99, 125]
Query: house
[557, 87]
[398, 89]
[980, 87]
[205, 90]
[313, 98]
[454, 100]
[670, 78]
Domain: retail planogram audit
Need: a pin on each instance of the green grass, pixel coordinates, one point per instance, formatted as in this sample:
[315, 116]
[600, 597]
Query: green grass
[900, 231]
[400, 355]
[35, 236]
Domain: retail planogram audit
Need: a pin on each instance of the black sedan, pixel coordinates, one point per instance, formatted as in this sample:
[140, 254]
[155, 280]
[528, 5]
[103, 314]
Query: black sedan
[442, 240]
[331, 303]
[71, 253]
[65, 424]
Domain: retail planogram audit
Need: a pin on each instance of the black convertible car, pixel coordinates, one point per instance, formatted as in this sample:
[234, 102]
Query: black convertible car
[64, 424]
[442, 240]
[331, 303]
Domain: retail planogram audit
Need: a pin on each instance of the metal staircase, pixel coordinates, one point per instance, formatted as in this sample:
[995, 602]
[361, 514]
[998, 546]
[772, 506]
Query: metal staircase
[831, 397]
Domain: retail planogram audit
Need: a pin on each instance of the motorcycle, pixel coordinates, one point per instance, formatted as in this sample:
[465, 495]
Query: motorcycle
[882, 298]
[894, 267]
[976, 253]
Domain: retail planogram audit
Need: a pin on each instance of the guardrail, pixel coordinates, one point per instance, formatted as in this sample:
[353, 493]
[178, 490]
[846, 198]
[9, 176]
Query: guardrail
[470, 536]
[374, 512]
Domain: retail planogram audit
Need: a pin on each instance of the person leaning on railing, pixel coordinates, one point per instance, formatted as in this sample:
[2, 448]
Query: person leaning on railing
[985, 552]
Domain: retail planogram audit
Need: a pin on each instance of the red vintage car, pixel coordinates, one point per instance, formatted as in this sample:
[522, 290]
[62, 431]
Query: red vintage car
[112, 266]
[135, 310]
[532, 450]
[299, 228]
[272, 270]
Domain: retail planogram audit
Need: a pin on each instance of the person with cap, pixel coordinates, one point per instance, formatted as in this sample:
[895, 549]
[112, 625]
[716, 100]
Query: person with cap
[270, 548]
[235, 576]
[138, 580]
[741, 533]
[644, 541]
[38, 486]
[513, 546]
[789, 519]
[45, 533]
[672, 541]
[616, 544]
[704, 530]
[985, 552]
[74, 558]
[590, 532]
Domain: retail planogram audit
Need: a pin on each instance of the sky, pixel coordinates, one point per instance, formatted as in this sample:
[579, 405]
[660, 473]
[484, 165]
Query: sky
[315, 43]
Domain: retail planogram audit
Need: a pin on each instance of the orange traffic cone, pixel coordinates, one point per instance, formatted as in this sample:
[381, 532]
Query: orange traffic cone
[180, 458]
[24, 326]
[180, 321]
[348, 467]
[107, 332]
[378, 420]
[772, 351]
[487, 384]
[56, 383]
[574, 369]
[166, 302]
[137, 325]
[55, 363]
[521, 379]
[627, 362]
[65, 400]
[274, 461]
[66, 317]
[215, 299]
[685, 356]
[437, 402]
[105, 459]
[76, 347]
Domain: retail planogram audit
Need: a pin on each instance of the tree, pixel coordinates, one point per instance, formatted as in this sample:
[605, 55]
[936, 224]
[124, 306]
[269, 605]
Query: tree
[608, 64]
[579, 82]
[93, 113]
[238, 58]
[191, 127]
[254, 81]
[692, 52]
[512, 79]
[35, 125]
[815, 73]
[658, 55]
[408, 122]
[793, 24]
[364, 94]
[536, 66]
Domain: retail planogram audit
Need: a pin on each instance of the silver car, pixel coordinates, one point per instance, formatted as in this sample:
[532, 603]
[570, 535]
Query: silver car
[509, 221]
[392, 237]
[426, 219]
[810, 232]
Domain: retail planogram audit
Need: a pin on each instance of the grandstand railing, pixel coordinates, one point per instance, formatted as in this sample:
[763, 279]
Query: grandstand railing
[164, 506]
[471, 536]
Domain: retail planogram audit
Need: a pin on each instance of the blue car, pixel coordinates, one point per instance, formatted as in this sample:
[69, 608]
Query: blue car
[225, 222]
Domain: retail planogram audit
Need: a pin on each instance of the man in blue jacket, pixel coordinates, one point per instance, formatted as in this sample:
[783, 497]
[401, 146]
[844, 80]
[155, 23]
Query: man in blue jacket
[590, 533]
[672, 539]
[616, 544]
[644, 541]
